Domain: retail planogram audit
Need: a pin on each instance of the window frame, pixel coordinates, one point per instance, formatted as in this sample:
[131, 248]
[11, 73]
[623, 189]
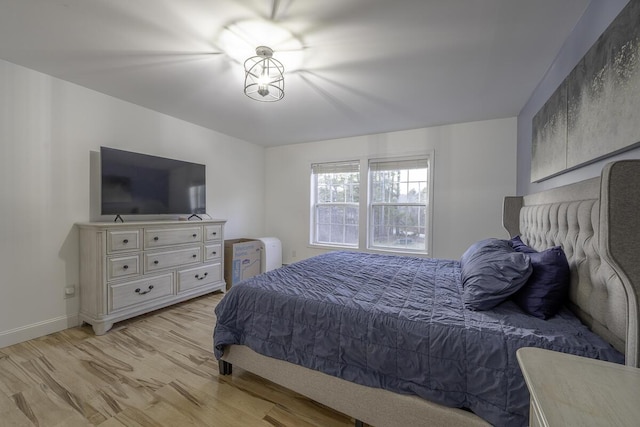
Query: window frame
[427, 204]
[364, 206]
[314, 204]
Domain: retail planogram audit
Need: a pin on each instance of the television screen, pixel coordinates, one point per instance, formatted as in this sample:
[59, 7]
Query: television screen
[140, 184]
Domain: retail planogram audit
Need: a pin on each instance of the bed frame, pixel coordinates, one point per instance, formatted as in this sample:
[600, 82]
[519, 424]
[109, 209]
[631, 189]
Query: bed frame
[597, 223]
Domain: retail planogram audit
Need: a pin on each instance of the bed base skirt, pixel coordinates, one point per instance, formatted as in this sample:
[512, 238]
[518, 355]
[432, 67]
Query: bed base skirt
[377, 407]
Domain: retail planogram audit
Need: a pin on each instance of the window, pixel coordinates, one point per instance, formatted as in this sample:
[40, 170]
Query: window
[391, 215]
[336, 198]
[398, 204]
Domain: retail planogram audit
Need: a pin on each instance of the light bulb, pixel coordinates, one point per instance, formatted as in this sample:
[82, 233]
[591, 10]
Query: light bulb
[263, 82]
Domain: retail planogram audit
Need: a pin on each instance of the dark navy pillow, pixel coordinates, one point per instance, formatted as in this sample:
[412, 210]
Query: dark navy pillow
[491, 273]
[547, 288]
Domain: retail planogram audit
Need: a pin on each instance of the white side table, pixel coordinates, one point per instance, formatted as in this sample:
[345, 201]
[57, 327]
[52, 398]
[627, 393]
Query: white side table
[568, 390]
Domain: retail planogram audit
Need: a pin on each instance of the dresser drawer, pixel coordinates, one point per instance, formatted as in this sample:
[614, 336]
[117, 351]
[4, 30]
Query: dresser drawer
[139, 291]
[154, 261]
[213, 232]
[123, 240]
[213, 251]
[199, 276]
[123, 266]
[159, 237]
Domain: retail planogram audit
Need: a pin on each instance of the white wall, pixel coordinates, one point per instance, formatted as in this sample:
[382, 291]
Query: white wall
[593, 23]
[475, 166]
[48, 127]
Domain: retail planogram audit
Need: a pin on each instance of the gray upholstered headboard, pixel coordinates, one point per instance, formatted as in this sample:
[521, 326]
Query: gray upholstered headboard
[597, 223]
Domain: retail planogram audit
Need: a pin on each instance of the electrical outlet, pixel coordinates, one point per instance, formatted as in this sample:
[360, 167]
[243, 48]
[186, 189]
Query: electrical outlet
[70, 291]
[293, 253]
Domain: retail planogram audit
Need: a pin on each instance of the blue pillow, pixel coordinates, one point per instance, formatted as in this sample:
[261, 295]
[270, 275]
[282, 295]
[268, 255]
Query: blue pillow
[491, 273]
[470, 250]
[520, 246]
[547, 288]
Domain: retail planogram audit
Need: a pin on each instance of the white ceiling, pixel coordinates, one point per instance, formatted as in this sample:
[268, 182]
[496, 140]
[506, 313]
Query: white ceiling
[369, 66]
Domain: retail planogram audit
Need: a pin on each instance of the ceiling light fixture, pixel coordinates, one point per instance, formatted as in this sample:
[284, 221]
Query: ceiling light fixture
[264, 79]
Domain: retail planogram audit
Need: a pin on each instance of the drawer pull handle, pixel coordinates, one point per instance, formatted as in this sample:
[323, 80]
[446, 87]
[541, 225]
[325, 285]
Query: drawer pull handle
[156, 262]
[126, 267]
[156, 238]
[214, 253]
[194, 235]
[214, 233]
[125, 241]
[194, 256]
[144, 292]
[201, 277]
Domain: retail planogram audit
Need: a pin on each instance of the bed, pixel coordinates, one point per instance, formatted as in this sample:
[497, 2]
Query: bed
[594, 221]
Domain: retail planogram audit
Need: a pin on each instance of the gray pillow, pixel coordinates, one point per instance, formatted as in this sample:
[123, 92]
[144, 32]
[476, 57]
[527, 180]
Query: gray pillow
[493, 272]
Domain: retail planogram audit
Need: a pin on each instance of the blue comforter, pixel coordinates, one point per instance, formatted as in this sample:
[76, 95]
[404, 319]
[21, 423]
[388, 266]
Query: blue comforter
[397, 323]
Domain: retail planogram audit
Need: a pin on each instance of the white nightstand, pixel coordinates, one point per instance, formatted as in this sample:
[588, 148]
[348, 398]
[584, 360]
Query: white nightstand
[568, 390]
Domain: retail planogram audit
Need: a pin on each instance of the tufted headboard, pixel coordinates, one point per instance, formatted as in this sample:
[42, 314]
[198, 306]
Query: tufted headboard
[597, 223]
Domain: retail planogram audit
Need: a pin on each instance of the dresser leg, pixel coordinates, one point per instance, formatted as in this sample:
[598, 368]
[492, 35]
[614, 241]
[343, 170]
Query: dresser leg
[101, 328]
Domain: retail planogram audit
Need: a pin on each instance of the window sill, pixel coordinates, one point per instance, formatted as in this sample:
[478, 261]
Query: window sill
[369, 250]
[333, 247]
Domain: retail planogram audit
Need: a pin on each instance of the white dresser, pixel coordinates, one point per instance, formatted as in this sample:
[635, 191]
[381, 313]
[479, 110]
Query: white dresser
[568, 390]
[127, 269]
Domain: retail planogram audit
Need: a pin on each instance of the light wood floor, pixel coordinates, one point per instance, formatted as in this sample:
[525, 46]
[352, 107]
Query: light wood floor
[154, 370]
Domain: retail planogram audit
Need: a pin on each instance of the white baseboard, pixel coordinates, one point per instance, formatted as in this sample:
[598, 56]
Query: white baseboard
[35, 330]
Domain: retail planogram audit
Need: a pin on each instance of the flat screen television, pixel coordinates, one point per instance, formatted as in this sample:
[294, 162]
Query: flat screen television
[141, 184]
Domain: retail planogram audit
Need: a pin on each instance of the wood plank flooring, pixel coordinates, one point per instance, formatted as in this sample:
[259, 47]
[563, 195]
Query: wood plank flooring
[153, 370]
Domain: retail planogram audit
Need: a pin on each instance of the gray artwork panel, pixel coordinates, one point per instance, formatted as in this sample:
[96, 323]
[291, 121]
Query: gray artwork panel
[549, 142]
[603, 92]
